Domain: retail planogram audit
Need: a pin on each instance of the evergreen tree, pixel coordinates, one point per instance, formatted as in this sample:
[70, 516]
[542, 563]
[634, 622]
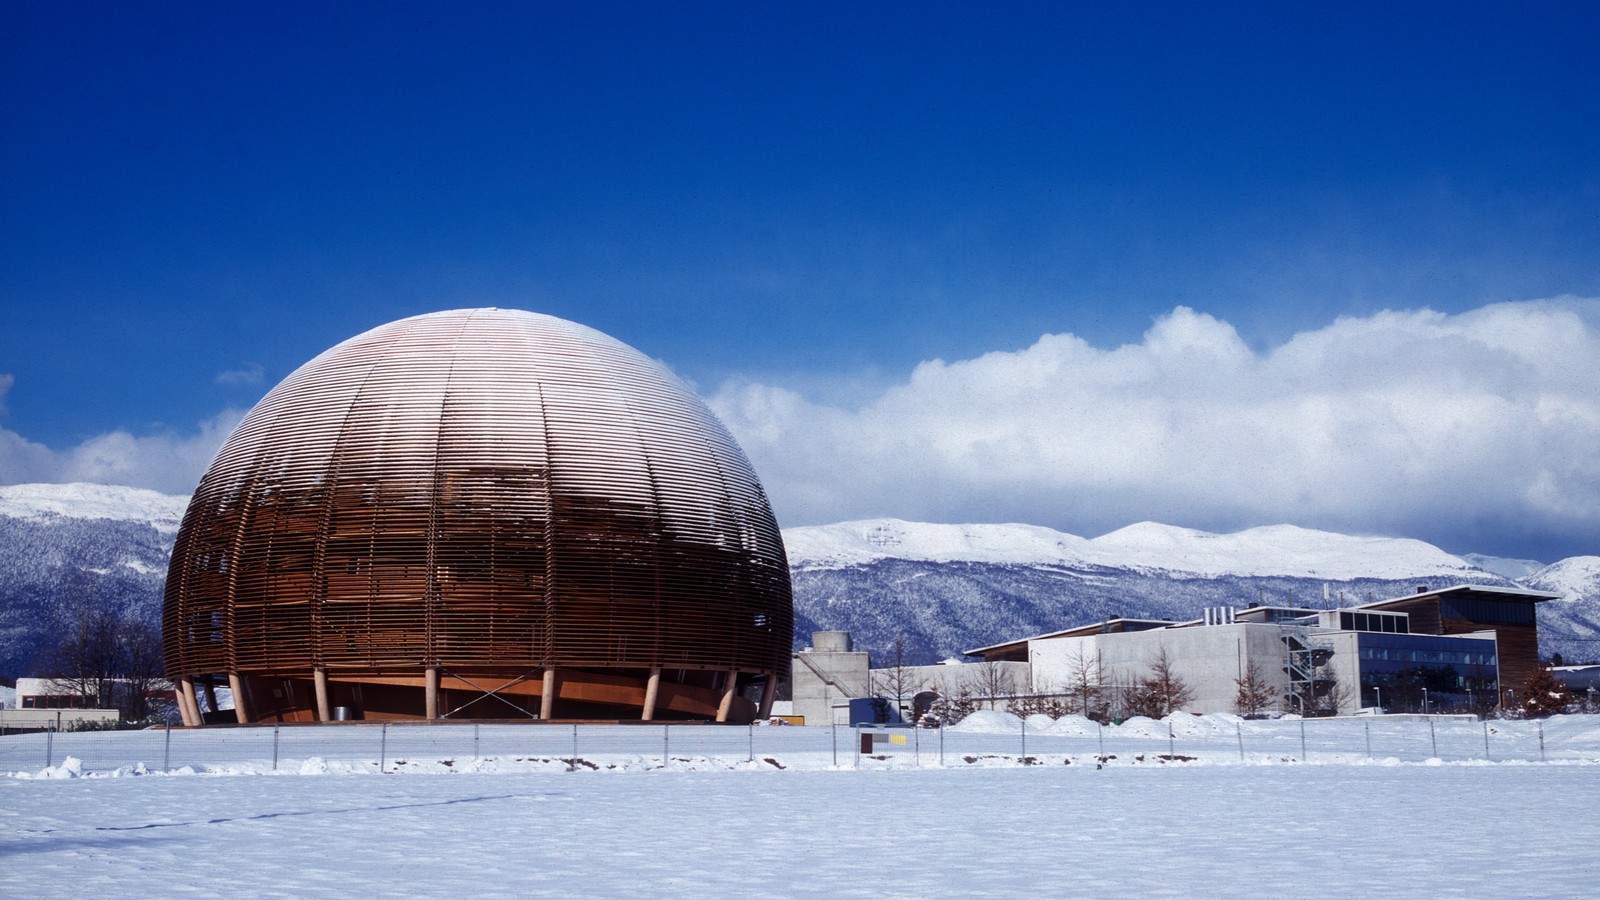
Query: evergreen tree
[1544, 694]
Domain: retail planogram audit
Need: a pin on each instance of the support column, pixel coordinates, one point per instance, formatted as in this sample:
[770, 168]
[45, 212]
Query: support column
[430, 692]
[186, 705]
[651, 689]
[211, 695]
[547, 699]
[324, 711]
[241, 706]
[729, 682]
[769, 693]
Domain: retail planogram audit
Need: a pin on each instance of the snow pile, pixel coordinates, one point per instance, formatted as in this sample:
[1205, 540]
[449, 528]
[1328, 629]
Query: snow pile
[988, 721]
[1074, 725]
[1211, 725]
[71, 767]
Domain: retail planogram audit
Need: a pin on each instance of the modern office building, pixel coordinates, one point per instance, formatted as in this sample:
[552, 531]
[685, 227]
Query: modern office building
[1465, 647]
[479, 513]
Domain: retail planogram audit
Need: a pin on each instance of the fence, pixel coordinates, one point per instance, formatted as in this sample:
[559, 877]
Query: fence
[393, 748]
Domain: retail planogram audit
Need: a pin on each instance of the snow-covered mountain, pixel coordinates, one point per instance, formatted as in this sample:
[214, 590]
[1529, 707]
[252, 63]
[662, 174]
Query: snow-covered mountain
[60, 543]
[1276, 550]
[53, 503]
[1504, 566]
[946, 588]
[1570, 626]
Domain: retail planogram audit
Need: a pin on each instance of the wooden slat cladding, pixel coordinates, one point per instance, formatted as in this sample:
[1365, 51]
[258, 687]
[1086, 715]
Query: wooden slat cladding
[1516, 644]
[492, 489]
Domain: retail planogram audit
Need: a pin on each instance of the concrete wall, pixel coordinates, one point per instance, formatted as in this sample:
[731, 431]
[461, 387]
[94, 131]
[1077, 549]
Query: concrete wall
[1208, 659]
[1345, 666]
[951, 679]
[59, 719]
[823, 681]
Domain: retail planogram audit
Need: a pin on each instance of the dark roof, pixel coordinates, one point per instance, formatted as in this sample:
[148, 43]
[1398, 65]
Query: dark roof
[1469, 590]
[1077, 630]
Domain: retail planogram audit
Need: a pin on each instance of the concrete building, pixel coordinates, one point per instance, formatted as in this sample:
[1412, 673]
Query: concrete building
[1460, 648]
[45, 703]
[826, 676]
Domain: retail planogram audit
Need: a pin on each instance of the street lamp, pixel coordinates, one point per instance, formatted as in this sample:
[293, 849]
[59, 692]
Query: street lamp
[1379, 691]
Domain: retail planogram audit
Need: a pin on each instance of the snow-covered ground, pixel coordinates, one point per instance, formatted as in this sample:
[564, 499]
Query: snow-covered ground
[1198, 831]
[722, 819]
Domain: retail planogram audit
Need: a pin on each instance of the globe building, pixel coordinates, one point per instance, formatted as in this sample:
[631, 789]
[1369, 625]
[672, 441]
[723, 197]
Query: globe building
[479, 513]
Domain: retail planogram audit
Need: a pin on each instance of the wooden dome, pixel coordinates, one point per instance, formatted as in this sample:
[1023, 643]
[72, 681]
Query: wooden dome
[479, 513]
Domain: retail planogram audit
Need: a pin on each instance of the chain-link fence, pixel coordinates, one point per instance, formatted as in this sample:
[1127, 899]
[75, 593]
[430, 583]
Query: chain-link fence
[393, 748]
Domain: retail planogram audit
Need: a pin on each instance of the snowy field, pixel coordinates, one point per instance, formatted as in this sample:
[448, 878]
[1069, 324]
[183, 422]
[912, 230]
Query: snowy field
[614, 821]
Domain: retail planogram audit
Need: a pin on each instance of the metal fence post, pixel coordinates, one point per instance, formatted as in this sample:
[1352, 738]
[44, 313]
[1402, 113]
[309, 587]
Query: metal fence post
[1541, 742]
[834, 731]
[274, 747]
[752, 727]
[666, 761]
[916, 744]
[383, 747]
[1485, 738]
[1100, 732]
[1172, 741]
[855, 744]
[572, 766]
[166, 751]
[50, 746]
[1304, 756]
[1024, 759]
[1238, 731]
[1433, 738]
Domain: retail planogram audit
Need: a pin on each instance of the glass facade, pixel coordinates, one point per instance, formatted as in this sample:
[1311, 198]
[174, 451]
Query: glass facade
[1425, 673]
[1387, 623]
[1489, 612]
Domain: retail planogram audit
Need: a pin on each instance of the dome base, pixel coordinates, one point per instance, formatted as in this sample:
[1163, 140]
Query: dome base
[577, 695]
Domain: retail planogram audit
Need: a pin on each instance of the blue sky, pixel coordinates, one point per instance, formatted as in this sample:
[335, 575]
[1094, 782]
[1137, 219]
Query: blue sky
[801, 209]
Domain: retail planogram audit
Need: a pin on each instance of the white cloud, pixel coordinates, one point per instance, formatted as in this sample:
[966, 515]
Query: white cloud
[247, 374]
[1405, 422]
[165, 461]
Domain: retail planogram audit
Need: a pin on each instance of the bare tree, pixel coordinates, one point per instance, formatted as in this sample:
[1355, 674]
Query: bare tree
[953, 706]
[995, 681]
[1045, 700]
[142, 669]
[107, 657]
[1086, 688]
[85, 662]
[897, 679]
[1160, 693]
[1256, 695]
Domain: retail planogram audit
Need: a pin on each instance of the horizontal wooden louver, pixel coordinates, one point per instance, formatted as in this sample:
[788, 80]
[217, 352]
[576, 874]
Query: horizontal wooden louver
[492, 490]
